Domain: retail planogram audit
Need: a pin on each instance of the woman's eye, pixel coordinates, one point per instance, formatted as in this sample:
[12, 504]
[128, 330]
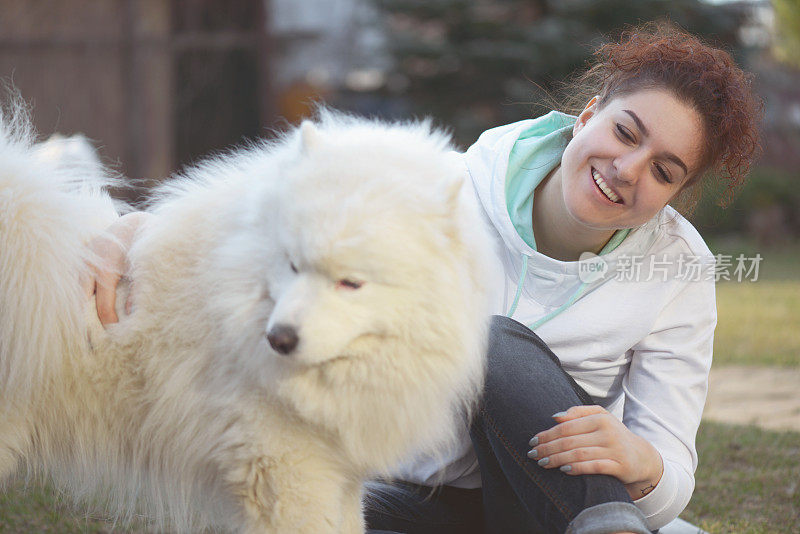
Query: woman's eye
[663, 174]
[625, 133]
[348, 284]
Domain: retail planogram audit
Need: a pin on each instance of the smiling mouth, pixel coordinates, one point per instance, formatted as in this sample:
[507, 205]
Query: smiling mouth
[604, 187]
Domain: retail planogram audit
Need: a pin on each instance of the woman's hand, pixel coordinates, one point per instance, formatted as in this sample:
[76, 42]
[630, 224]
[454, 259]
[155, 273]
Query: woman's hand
[589, 440]
[112, 253]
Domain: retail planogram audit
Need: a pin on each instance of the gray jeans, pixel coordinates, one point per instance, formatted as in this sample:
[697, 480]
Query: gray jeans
[525, 385]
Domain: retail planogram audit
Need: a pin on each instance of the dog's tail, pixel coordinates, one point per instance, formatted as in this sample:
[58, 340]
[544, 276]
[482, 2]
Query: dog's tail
[49, 208]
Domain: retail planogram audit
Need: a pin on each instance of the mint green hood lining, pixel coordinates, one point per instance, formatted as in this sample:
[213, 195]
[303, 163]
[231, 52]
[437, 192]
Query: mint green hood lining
[535, 154]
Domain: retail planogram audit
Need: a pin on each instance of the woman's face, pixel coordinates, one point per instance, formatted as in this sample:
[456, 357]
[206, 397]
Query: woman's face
[627, 160]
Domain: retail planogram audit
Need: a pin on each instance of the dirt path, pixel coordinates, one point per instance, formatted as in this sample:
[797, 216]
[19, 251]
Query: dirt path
[765, 396]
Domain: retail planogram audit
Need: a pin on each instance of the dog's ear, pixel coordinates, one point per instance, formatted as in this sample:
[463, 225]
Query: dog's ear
[310, 136]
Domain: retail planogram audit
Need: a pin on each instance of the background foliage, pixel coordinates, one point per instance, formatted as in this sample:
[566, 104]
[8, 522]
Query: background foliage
[474, 64]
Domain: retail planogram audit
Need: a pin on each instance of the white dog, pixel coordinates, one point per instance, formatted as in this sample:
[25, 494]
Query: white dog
[307, 313]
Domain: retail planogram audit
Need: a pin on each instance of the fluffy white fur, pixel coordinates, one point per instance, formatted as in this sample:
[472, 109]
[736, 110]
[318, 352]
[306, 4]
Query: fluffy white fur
[183, 410]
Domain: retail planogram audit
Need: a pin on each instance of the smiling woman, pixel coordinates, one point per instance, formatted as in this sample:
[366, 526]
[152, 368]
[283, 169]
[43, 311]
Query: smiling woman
[589, 424]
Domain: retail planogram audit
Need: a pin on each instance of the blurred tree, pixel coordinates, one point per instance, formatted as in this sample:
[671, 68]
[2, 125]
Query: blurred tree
[787, 18]
[767, 208]
[474, 64]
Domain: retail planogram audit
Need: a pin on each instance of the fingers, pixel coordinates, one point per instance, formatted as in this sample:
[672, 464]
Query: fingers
[578, 411]
[129, 300]
[87, 284]
[575, 420]
[601, 466]
[586, 460]
[109, 261]
[590, 440]
[578, 455]
[105, 274]
[572, 427]
[571, 456]
[578, 444]
[593, 441]
[106, 298]
[564, 444]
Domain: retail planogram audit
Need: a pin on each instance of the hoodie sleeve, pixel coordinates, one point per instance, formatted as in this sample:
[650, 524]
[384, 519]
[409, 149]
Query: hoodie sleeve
[665, 391]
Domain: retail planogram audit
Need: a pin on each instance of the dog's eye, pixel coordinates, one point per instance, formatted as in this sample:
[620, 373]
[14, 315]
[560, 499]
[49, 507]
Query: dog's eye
[293, 266]
[348, 284]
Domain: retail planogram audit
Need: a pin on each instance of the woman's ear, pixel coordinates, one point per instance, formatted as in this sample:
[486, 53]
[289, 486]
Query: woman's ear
[588, 112]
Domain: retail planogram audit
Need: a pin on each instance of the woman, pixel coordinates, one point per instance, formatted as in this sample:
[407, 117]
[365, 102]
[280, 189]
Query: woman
[599, 438]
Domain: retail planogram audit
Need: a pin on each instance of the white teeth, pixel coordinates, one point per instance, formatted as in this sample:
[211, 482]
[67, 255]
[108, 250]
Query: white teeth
[613, 197]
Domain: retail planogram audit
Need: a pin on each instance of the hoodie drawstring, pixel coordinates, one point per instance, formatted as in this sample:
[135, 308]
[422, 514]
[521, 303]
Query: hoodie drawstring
[519, 286]
[613, 243]
[553, 313]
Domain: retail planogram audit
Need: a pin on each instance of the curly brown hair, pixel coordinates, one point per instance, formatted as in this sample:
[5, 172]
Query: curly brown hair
[661, 55]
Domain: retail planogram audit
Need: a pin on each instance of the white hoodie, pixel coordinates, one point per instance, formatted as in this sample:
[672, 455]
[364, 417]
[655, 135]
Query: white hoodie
[639, 345]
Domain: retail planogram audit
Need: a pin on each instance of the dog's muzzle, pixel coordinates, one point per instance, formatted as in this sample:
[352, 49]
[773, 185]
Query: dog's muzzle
[283, 338]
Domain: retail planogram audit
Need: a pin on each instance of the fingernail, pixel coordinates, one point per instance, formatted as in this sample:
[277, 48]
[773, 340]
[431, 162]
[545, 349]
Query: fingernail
[544, 461]
[532, 453]
[534, 441]
[566, 468]
[559, 414]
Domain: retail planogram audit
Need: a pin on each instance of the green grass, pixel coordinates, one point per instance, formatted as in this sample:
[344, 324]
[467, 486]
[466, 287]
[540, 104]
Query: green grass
[759, 321]
[748, 480]
[38, 508]
[35, 510]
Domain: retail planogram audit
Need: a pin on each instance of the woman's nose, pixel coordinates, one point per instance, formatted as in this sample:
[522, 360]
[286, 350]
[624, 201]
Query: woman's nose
[630, 166]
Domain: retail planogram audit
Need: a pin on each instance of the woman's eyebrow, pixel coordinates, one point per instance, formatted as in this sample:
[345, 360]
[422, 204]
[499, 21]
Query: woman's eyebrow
[639, 123]
[669, 155]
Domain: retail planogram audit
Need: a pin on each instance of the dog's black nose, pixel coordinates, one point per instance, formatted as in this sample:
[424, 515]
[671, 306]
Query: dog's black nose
[283, 338]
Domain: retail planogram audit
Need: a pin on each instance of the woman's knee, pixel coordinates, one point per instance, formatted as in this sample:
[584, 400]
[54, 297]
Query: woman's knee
[516, 351]
[521, 369]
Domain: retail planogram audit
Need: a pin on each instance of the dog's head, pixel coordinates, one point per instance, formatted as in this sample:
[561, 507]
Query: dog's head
[375, 241]
[361, 235]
